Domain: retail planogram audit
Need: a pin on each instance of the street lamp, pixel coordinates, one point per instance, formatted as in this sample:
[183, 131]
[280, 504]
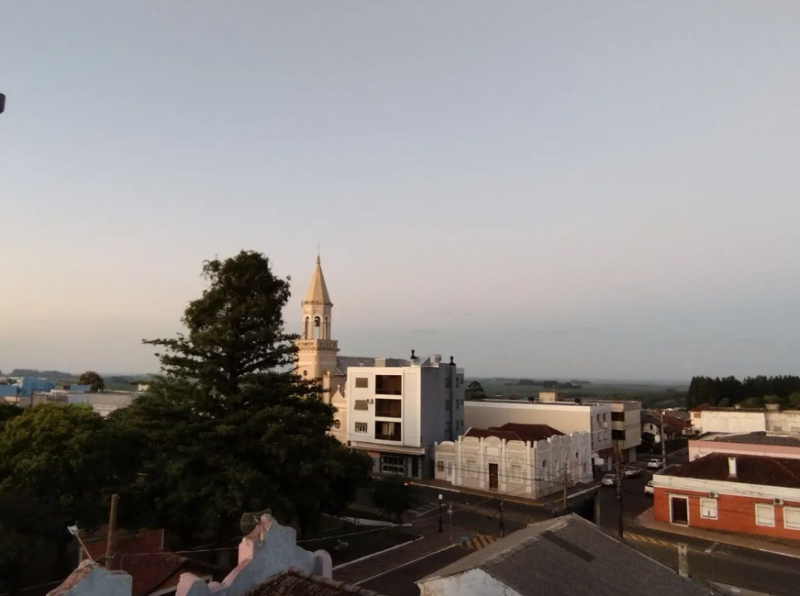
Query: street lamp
[441, 497]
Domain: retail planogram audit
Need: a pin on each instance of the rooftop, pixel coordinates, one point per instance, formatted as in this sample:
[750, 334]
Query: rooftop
[515, 432]
[754, 438]
[532, 562]
[299, 583]
[750, 469]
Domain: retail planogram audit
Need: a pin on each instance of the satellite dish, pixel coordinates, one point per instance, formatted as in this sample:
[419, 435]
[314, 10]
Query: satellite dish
[251, 519]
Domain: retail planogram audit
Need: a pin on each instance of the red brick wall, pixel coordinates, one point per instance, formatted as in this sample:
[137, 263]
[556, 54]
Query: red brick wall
[734, 514]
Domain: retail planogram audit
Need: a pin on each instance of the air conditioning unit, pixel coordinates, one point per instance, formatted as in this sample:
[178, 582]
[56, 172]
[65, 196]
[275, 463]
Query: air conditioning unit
[713, 495]
[777, 502]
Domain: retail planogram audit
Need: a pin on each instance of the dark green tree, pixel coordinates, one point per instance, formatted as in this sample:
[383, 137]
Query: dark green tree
[474, 391]
[393, 497]
[230, 427]
[793, 402]
[92, 379]
[7, 412]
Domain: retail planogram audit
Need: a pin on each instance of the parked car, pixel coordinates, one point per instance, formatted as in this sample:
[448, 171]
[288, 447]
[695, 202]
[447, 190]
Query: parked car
[609, 480]
[655, 464]
[648, 488]
[631, 472]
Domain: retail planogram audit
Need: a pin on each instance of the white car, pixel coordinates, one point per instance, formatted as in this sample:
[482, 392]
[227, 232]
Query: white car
[648, 488]
[609, 480]
[655, 464]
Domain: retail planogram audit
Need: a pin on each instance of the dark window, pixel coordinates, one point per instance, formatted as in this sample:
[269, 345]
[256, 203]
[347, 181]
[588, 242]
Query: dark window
[388, 384]
[361, 427]
[388, 408]
[361, 404]
[362, 382]
[393, 464]
[447, 383]
[618, 416]
[388, 431]
[618, 435]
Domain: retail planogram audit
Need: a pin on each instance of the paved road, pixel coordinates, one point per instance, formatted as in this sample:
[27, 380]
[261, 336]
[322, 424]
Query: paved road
[400, 582]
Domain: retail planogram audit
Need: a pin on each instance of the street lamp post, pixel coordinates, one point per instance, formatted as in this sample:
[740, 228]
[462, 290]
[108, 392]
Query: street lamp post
[441, 497]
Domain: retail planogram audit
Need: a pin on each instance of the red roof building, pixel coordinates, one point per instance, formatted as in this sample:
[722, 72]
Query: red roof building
[750, 494]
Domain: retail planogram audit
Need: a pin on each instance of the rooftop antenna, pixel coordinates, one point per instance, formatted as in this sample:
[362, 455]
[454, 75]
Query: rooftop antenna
[319, 250]
[75, 531]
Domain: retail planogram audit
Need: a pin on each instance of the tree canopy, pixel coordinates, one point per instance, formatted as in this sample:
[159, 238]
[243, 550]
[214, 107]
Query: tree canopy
[474, 391]
[230, 427]
[752, 390]
[93, 379]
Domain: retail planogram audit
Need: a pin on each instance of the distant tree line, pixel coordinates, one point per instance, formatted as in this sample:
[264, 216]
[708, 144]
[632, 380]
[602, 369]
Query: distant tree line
[752, 392]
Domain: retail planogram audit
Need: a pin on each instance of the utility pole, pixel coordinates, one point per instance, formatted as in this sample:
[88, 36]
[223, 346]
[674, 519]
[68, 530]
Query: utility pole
[564, 492]
[441, 497]
[112, 526]
[450, 515]
[618, 483]
[502, 520]
[663, 440]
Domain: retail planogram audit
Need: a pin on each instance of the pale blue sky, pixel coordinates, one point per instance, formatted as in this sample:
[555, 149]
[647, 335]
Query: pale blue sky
[596, 189]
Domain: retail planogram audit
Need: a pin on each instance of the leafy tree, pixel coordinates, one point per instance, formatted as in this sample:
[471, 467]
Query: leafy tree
[393, 497]
[7, 412]
[474, 391]
[773, 400]
[793, 402]
[230, 427]
[724, 403]
[753, 402]
[93, 379]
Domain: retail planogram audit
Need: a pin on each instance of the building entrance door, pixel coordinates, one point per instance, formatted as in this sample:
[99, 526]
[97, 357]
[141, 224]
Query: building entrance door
[493, 476]
[680, 511]
[415, 467]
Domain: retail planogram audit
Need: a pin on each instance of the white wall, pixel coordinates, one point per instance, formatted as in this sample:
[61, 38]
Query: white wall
[474, 582]
[567, 418]
[732, 421]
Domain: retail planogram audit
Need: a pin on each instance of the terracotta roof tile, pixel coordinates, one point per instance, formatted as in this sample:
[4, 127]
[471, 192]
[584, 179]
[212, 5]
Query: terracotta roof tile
[750, 469]
[515, 432]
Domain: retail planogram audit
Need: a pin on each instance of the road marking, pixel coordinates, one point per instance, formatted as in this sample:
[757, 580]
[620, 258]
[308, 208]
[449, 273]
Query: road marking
[711, 548]
[648, 539]
[380, 552]
[430, 554]
[775, 552]
[480, 541]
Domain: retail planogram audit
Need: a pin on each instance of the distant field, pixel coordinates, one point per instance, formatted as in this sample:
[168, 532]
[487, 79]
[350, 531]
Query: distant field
[652, 394]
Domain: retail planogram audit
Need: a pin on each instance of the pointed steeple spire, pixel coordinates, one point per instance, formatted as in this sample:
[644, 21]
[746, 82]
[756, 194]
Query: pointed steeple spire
[317, 290]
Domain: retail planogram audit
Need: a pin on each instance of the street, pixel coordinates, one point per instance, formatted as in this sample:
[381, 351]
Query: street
[475, 515]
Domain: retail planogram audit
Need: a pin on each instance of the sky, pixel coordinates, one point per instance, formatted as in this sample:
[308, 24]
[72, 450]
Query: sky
[559, 189]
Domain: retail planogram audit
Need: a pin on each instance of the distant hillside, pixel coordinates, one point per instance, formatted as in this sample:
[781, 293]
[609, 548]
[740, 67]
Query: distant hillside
[50, 375]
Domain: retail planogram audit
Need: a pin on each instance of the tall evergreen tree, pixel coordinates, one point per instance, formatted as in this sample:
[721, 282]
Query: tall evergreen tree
[230, 427]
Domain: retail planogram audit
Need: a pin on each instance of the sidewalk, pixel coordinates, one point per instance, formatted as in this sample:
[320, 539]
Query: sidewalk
[367, 567]
[768, 544]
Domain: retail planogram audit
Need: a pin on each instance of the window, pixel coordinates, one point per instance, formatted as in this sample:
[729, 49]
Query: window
[361, 427]
[393, 464]
[361, 404]
[472, 467]
[388, 431]
[447, 383]
[765, 515]
[389, 384]
[388, 408]
[618, 435]
[362, 382]
[791, 518]
[337, 424]
[544, 463]
[439, 465]
[708, 508]
[618, 416]
[516, 471]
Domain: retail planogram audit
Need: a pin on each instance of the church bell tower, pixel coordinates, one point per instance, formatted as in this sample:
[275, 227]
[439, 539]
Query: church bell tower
[316, 351]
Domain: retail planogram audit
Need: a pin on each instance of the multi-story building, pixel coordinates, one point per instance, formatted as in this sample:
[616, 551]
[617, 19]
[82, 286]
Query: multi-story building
[398, 413]
[626, 426]
[567, 417]
[524, 460]
[755, 494]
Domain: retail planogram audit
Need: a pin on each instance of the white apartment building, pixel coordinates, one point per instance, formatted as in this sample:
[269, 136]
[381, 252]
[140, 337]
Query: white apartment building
[523, 460]
[626, 427]
[564, 416]
[398, 413]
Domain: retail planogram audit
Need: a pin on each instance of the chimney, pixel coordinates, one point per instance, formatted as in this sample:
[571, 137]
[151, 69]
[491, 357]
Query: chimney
[683, 560]
[731, 467]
